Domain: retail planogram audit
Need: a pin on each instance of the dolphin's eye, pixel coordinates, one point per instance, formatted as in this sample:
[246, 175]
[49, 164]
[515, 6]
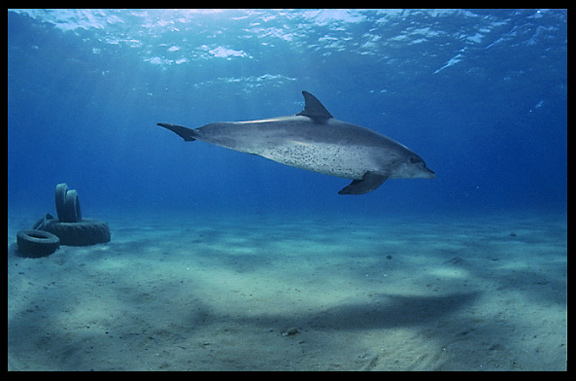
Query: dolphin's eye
[417, 160]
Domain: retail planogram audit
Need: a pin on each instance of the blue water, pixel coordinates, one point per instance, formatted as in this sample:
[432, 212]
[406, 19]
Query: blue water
[480, 95]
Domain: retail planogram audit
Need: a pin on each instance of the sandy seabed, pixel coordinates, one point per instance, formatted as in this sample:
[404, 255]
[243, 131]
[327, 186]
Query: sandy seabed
[265, 292]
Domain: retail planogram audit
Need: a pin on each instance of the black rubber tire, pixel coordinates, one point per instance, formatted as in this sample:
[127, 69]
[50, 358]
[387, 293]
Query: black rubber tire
[60, 199]
[67, 204]
[84, 233]
[71, 207]
[36, 243]
[42, 221]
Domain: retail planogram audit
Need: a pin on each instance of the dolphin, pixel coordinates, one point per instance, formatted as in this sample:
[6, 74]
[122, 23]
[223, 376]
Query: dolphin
[314, 140]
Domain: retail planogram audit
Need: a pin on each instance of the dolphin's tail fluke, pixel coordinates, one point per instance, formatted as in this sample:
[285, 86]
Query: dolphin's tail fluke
[185, 133]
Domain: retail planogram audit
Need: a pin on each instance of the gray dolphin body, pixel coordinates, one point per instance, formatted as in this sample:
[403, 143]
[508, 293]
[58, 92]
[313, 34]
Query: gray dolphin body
[314, 140]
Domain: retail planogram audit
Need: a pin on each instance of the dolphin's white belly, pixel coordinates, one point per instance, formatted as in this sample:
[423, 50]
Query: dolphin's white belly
[350, 162]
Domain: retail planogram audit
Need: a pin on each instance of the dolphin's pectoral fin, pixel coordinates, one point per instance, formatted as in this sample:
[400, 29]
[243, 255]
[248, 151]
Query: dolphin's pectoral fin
[184, 132]
[370, 181]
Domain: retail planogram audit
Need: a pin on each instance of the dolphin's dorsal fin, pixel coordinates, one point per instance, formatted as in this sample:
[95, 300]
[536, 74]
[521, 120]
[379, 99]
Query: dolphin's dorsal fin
[314, 109]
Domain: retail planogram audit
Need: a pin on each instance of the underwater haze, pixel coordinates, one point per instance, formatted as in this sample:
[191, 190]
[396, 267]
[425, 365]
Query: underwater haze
[220, 260]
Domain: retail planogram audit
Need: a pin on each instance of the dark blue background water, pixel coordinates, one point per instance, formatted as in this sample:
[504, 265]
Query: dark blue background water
[481, 95]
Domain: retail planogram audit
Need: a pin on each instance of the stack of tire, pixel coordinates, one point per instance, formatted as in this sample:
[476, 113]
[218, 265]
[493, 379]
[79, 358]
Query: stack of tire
[70, 229]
